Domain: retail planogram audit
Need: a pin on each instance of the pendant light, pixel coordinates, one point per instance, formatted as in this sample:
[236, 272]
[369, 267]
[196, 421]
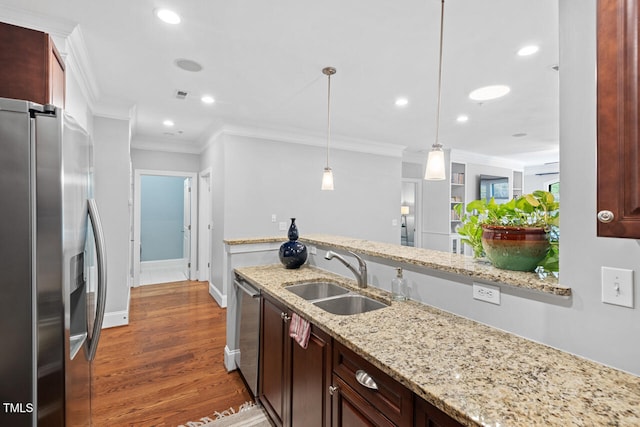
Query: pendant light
[327, 176]
[435, 162]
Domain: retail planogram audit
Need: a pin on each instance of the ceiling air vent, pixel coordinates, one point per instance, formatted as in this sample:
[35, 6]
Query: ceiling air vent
[181, 94]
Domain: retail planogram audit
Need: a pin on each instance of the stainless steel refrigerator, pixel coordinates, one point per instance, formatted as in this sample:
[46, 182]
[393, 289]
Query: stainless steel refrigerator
[52, 268]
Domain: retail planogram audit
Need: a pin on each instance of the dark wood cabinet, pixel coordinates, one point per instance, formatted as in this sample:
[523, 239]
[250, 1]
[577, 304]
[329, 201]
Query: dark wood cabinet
[310, 381]
[328, 384]
[32, 68]
[350, 409]
[294, 382]
[428, 415]
[272, 361]
[617, 115]
[387, 402]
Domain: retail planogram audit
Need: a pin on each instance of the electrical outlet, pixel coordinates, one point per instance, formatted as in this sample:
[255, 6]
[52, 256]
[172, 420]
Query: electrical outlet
[488, 293]
[312, 250]
[617, 286]
[394, 222]
[282, 226]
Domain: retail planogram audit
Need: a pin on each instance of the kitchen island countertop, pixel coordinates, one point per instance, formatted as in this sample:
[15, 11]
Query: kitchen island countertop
[437, 261]
[477, 374]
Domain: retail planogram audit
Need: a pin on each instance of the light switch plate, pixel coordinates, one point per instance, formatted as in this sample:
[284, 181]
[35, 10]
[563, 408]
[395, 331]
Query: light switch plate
[617, 286]
[282, 225]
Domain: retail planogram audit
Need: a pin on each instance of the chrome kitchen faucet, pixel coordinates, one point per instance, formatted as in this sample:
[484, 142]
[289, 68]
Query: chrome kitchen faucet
[360, 274]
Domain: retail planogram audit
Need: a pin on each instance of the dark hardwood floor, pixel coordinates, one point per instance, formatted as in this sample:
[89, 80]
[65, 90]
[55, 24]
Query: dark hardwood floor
[166, 367]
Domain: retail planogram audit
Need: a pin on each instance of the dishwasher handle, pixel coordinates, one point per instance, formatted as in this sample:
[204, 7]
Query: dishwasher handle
[253, 293]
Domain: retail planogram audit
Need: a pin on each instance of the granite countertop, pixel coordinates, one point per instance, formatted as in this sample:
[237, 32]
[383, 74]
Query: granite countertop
[477, 374]
[435, 260]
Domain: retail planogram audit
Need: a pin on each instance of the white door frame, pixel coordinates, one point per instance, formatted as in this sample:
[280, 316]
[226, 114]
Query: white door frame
[204, 232]
[136, 226]
[417, 238]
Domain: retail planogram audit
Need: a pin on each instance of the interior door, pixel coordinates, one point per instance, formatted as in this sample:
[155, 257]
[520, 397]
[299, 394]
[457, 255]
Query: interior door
[186, 229]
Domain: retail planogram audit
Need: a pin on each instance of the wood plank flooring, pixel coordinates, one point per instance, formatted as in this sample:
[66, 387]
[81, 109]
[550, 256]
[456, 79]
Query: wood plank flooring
[166, 367]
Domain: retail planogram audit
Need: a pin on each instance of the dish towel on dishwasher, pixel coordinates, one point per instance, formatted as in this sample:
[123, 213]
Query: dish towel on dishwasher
[300, 330]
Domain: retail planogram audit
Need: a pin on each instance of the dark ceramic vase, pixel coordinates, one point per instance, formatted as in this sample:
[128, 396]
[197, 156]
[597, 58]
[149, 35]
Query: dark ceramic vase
[515, 248]
[293, 253]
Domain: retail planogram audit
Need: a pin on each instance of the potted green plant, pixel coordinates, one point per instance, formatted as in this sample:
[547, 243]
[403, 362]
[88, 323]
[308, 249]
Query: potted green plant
[518, 235]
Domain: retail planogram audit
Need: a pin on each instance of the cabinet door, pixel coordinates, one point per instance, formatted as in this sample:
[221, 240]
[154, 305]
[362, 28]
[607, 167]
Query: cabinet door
[428, 415]
[272, 357]
[618, 130]
[310, 380]
[351, 410]
[390, 397]
[31, 67]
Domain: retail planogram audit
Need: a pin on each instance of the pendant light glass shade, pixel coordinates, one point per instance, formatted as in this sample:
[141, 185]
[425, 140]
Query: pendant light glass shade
[327, 176]
[435, 170]
[435, 164]
[327, 179]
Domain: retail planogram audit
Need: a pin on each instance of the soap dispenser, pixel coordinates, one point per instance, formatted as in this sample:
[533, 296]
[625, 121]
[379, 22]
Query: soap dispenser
[399, 291]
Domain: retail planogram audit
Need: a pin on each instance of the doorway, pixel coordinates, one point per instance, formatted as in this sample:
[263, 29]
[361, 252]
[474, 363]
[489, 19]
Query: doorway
[165, 227]
[410, 224]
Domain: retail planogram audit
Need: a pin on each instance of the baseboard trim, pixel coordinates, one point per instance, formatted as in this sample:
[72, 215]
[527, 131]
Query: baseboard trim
[162, 264]
[219, 297]
[230, 358]
[116, 318]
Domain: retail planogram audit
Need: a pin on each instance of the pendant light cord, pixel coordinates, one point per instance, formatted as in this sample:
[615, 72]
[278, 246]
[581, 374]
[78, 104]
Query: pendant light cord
[437, 143]
[328, 116]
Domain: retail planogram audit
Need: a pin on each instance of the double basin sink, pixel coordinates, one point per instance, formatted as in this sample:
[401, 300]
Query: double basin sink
[334, 298]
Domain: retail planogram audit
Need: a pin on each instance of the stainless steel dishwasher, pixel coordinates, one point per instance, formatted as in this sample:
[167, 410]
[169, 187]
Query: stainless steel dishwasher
[248, 332]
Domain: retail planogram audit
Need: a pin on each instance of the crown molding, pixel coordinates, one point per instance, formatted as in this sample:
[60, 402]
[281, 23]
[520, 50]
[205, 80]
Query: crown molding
[298, 137]
[78, 60]
[481, 159]
[59, 28]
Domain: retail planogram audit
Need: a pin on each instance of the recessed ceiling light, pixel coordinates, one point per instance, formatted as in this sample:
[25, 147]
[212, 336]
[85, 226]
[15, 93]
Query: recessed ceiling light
[207, 99]
[168, 16]
[519, 135]
[462, 118]
[168, 123]
[489, 92]
[188, 65]
[401, 102]
[528, 50]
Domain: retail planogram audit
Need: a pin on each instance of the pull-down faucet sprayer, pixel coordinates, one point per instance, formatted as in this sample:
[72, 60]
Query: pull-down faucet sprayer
[360, 274]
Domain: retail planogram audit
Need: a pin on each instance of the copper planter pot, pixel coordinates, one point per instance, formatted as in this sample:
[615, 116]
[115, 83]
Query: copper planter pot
[515, 248]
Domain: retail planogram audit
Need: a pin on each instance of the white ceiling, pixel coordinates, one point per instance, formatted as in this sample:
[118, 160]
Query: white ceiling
[263, 59]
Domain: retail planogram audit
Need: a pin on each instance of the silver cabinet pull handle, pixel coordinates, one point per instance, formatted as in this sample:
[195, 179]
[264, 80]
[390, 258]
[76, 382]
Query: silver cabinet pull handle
[365, 379]
[333, 389]
[285, 317]
[605, 216]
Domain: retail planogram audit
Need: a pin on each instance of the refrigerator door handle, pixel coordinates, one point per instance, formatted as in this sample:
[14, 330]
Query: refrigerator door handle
[101, 256]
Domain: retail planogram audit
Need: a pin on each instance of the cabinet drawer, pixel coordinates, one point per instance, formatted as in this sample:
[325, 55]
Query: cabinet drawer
[391, 398]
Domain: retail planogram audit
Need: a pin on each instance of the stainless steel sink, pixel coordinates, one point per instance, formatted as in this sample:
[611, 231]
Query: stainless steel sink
[317, 290]
[349, 304]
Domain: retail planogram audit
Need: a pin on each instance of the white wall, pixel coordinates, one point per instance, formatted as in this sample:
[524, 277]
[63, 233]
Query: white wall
[165, 161]
[599, 331]
[258, 178]
[112, 189]
[269, 177]
[214, 157]
[535, 177]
